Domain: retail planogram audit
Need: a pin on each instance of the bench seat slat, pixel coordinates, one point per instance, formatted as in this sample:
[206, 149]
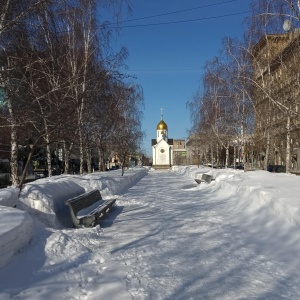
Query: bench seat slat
[97, 209]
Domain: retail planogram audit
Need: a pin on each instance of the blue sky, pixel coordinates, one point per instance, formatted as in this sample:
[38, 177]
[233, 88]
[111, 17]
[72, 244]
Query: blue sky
[168, 59]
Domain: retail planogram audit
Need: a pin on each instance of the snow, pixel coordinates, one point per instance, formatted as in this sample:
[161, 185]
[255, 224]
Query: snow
[166, 238]
[9, 196]
[15, 232]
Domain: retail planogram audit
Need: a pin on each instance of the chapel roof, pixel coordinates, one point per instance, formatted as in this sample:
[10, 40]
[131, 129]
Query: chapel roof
[162, 125]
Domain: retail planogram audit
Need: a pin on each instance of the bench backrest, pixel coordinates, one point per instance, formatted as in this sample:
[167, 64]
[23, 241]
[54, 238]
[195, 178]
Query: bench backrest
[83, 201]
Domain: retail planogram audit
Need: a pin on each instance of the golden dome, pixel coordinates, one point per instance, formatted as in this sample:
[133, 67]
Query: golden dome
[162, 125]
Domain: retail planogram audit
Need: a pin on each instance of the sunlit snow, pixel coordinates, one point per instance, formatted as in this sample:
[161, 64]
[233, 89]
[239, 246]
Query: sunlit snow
[166, 238]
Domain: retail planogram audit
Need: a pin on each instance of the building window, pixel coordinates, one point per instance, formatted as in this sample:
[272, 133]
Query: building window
[162, 150]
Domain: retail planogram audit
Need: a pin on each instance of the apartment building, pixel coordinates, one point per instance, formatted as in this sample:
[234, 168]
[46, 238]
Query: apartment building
[276, 78]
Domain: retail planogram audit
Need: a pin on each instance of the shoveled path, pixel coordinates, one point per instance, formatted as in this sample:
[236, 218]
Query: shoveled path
[178, 242]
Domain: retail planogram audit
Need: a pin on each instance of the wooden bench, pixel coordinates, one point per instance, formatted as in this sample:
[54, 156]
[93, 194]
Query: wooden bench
[205, 178]
[88, 208]
[39, 173]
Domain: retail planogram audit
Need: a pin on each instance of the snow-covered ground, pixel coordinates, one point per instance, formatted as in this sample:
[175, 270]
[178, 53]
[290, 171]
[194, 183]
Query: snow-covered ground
[167, 237]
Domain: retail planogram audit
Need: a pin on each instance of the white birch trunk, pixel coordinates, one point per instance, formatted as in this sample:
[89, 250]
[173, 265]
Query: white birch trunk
[243, 133]
[14, 146]
[66, 158]
[234, 157]
[48, 155]
[87, 44]
[227, 156]
[14, 142]
[288, 143]
[100, 160]
[89, 160]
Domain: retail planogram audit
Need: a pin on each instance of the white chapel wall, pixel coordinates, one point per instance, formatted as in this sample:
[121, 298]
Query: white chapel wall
[162, 156]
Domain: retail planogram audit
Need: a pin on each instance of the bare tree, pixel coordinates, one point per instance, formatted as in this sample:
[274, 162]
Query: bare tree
[128, 135]
[14, 12]
[272, 80]
[53, 62]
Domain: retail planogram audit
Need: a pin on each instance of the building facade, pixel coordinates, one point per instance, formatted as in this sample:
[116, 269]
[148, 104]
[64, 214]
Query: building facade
[276, 60]
[179, 152]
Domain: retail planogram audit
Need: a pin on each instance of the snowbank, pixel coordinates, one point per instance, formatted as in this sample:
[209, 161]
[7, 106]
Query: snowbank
[9, 196]
[254, 192]
[45, 197]
[45, 200]
[15, 232]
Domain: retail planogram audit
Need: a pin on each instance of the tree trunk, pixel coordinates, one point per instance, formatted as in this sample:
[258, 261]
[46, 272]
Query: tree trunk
[23, 177]
[66, 159]
[288, 144]
[14, 146]
[101, 162]
[87, 33]
[14, 157]
[212, 156]
[14, 141]
[227, 156]
[243, 133]
[234, 157]
[89, 160]
[48, 155]
[81, 151]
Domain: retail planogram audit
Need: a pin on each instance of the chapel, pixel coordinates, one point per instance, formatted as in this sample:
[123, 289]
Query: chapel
[162, 147]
